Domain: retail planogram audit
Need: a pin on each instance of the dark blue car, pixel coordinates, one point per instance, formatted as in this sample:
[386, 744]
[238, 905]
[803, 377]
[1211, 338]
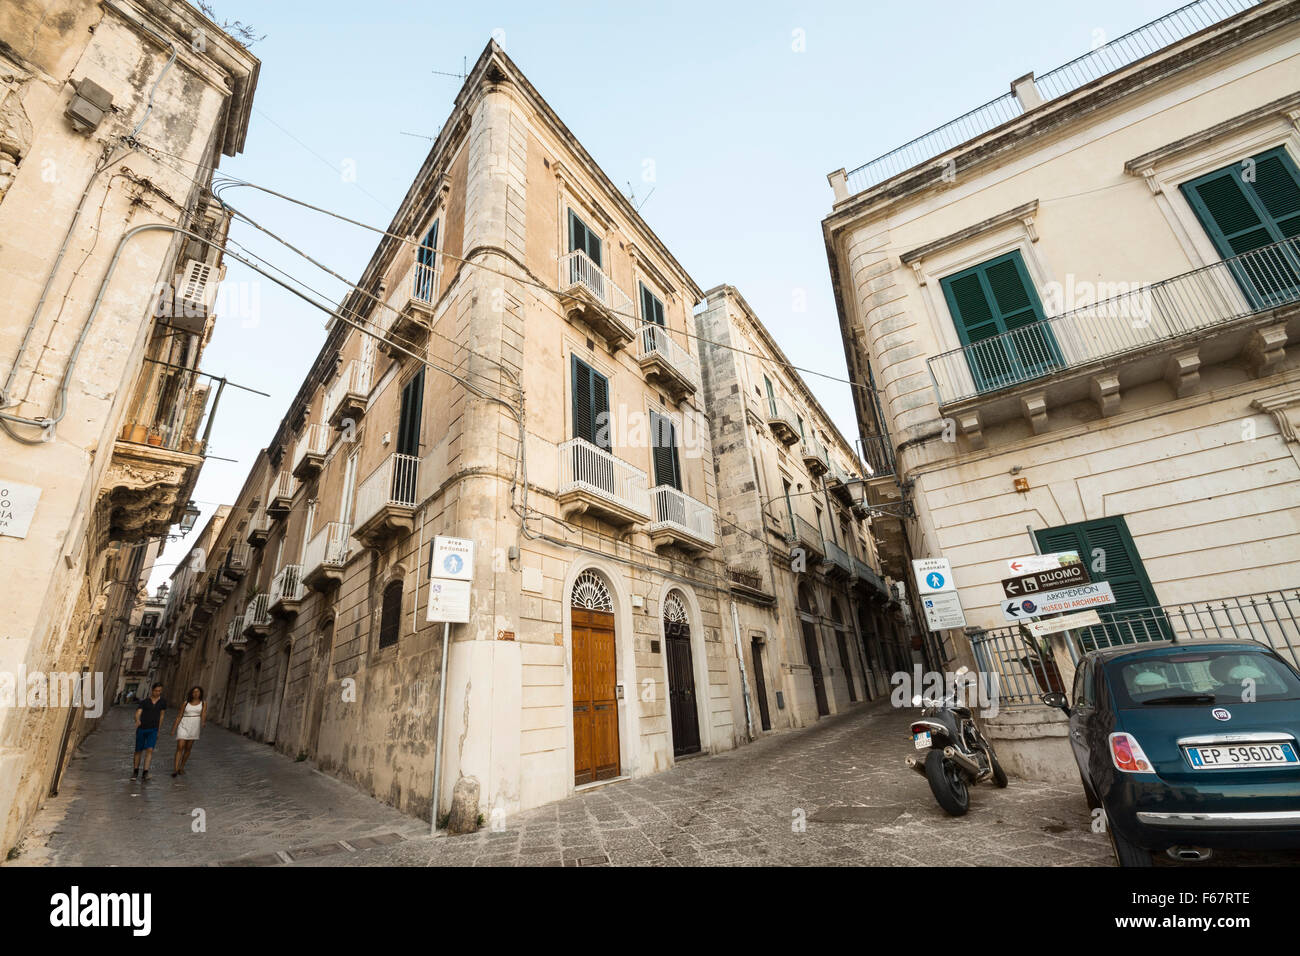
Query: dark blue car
[1188, 746]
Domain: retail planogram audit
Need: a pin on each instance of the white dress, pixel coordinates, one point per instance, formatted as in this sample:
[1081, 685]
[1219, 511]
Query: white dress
[192, 717]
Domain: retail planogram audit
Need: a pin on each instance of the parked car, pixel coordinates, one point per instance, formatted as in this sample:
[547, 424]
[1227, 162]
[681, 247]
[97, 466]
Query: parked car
[1188, 746]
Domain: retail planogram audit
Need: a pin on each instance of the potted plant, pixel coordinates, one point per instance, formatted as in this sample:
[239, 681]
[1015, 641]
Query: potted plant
[155, 437]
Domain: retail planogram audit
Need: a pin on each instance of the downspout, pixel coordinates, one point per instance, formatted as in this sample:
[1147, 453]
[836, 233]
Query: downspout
[744, 675]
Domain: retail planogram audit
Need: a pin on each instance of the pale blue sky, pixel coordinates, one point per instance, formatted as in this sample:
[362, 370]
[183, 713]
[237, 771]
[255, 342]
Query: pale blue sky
[740, 127]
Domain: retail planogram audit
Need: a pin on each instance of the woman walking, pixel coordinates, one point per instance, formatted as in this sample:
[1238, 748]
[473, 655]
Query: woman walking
[191, 718]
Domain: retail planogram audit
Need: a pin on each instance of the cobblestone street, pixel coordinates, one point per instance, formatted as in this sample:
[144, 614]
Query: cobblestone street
[844, 779]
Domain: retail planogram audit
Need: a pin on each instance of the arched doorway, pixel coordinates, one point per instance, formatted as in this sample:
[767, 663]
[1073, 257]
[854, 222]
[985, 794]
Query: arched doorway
[808, 623]
[681, 676]
[842, 645]
[595, 681]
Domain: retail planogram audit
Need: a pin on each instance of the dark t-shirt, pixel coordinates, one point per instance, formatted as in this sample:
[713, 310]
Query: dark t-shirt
[151, 713]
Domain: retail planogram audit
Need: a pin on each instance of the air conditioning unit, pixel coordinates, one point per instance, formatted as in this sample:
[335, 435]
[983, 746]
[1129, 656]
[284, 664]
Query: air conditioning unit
[194, 295]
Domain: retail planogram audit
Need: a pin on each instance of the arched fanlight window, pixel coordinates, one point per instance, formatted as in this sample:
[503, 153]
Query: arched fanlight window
[590, 593]
[675, 609]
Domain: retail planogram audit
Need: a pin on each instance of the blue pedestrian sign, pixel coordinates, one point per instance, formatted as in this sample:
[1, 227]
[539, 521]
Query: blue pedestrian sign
[933, 575]
[935, 580]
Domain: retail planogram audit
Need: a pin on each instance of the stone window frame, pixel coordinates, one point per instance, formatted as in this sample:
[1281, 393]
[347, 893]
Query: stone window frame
[1165, 169]
[1010, 231]
[572, 347]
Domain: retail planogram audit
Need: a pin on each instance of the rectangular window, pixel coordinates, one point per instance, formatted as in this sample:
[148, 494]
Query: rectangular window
[590, 405]
[1246, 207]
[663, 451]
[582, 239]
[771, 395]
[426, 264]
[408, 429]
[652, 307]
[999, 317]
[1107, 550]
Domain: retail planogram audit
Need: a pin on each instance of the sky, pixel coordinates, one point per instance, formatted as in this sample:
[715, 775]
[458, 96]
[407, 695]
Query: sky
[720, 119]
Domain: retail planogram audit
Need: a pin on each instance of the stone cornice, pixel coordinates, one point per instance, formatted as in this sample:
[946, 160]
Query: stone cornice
[1023, 213]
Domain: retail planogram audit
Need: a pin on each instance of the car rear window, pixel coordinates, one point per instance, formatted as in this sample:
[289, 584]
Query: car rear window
[1227, 675]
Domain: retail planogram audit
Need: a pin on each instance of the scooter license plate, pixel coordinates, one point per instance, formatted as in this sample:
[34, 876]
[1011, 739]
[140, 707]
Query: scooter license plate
[922, 740]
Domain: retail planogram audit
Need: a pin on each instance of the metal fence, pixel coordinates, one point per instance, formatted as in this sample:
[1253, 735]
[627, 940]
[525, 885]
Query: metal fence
[1025, 672]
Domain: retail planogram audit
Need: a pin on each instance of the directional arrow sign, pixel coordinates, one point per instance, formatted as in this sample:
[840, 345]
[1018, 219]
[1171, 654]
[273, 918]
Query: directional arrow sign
[1067, 622]
[1042, 562]
[1055, 602]
[1067, 575]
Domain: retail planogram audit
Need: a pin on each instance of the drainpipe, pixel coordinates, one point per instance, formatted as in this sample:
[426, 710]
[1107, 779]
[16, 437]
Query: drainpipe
[442, 711]
[744, 675]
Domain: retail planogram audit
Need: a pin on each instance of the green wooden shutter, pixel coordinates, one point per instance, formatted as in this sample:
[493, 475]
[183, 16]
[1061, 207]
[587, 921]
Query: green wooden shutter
[667, 468]
[582, 238]
[1107, 550]
[600, 410]
[1239, 215]
[583, 425]
[652, 308]
[987, 302]
[412, 407]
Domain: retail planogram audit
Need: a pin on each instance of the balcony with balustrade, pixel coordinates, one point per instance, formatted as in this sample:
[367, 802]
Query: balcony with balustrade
[678, 520]
[1242, 310]
[234, 565]
[279, 497]
[804, 534]
[783, 421]
[347, 397]
[386, 501]
[259, 528]
[665, 363]
[235, 641]
[588, 295]
[407, 315]
[840, 483]
[257, 616]
[286, 591]
[594, 481]
[867, 580]
[326, 556]
[814, 454]
[310, 451]
[837, 563]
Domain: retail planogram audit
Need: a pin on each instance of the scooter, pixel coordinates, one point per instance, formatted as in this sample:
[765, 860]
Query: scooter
[957, 754]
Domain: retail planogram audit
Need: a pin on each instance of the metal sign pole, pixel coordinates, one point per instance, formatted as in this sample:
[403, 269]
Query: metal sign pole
[442, 710]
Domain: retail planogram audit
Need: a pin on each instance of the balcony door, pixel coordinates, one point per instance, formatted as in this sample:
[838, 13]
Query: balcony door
[1247, 207]
[667, 468]
[652, 313]
[408, 438]
[582, 239]
[426, 261]
[591, 423]
[1000, 320]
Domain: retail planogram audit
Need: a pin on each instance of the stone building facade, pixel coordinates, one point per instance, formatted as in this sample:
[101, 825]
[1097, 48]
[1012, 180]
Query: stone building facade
[818, 625]
[517, 366]
[112, 117]
[1078, 329]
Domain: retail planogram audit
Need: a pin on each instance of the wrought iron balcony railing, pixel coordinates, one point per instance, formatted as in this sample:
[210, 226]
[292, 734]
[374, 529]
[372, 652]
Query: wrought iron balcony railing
[654, 343]
[586, 469]
[311, 449]
[1165, 311]
[349, 392]
[392, 484]
[676, 510]
[328, 548]
[287, 587]
[578, 271]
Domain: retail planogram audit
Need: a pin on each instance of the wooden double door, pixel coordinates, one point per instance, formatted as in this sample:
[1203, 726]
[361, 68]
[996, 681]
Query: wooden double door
[681, 688]
[595, 697]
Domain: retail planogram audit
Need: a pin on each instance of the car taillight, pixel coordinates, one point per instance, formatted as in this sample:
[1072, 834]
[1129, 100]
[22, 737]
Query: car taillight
[1127, 754]
[919, 728]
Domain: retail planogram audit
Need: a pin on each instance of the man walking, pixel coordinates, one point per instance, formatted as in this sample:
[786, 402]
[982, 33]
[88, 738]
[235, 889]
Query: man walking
[148, 717]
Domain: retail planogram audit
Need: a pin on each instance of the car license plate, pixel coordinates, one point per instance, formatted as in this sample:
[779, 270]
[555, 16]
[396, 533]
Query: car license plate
[1270, 754]
[922, 740]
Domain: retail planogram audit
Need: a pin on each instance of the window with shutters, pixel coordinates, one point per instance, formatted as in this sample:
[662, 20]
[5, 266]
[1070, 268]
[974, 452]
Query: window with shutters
[1251, 210]
[1107, 550]
[390, 617]
[663, 451]
[590, 405]
[652, 307]
[999, 318]
[426, 265]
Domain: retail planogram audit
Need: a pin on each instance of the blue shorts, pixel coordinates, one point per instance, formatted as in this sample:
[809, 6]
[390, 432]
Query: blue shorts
[145, 738]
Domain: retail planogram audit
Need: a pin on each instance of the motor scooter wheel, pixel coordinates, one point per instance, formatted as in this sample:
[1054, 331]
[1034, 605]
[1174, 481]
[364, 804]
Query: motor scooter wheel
[947, 784]
[999, 775]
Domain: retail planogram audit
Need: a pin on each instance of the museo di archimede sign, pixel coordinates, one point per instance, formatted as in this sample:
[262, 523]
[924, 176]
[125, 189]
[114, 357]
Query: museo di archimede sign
[17, 506]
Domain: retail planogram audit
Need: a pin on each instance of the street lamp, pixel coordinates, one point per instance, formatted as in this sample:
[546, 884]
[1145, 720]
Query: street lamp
[190, 515]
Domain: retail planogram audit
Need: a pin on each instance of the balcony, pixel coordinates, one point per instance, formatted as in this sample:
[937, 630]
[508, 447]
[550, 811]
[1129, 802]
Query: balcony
[257, 617]
[326, 556]
[386, 501]
[838, 564]
[782, 420]
[409, 313]
[593, 480]
[879, 452]
[867, 579]
[309, 454]
[235, 641]
[842, 484]
[588, 295]
[805, 535]
[286, 591]
[236, 564]
[1240, 309]
[678, 519]
[279, 497]
[749, 583]
[346, 399]
[259, 528]
[665, 363]
[814, 455]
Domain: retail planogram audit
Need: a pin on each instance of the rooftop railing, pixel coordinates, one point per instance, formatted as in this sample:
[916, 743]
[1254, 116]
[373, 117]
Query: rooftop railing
[1216, 294]
[1115, 55]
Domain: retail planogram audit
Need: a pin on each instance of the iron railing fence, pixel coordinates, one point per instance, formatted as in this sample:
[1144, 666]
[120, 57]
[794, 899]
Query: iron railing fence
[1115, 55]
[1025, 672]
[654, 340]
[578, 269]
[393, 483]
[674, 508]
[586, 467]
[1221, 292]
